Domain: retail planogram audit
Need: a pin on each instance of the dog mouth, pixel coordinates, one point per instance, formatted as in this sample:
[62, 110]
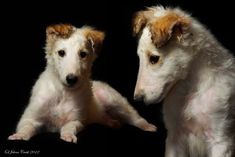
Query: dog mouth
[166, 89]
[154, 101]
[69, 86]
[160, 98]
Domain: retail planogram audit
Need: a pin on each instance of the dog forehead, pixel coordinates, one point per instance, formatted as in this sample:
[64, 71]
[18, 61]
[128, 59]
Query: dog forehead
[78, 36]
[145, 42]
[76, 40]
[145, 38]
[159, 12]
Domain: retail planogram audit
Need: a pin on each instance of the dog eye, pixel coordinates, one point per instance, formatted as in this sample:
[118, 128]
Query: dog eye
[83, 54]
[153, 59]
[61, 53]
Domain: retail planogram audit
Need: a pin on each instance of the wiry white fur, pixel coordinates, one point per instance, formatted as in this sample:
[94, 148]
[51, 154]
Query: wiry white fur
[69, 109]
[196, 78]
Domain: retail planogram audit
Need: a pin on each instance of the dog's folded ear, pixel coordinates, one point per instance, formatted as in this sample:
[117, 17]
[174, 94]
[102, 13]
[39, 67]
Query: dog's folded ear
[95, 39]
[140, 20]
[167, 27]
[60, 30]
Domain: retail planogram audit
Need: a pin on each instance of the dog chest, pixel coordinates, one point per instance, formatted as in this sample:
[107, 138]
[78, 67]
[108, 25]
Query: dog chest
[198, 113]
[60, 111]
[195, 113]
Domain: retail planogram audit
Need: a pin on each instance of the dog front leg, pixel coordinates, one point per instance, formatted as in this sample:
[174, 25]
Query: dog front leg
[25, 129]
[69, 130]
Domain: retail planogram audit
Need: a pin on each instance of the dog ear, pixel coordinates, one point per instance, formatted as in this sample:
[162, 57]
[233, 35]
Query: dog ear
[167, 27]
[140, 20]
[60, 30]
[95, 39]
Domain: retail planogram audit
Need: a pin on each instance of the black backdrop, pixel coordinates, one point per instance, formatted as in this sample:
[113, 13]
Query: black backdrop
[23, 38]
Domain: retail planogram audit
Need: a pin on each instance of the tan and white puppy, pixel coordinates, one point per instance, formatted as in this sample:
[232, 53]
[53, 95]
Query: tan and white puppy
[182, 63]
[64, 99]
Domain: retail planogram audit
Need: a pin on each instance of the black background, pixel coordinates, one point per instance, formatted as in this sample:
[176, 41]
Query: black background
[23, 39]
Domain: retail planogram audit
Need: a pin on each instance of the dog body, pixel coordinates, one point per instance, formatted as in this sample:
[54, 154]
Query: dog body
[64, 99]
[182, 63]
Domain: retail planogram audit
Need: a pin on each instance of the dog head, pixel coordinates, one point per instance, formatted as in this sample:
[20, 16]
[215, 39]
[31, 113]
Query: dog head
[71, 51]
[163, 58]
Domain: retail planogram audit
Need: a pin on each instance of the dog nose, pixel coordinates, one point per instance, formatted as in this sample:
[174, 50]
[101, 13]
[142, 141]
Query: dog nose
[71, 79]
[138, 96]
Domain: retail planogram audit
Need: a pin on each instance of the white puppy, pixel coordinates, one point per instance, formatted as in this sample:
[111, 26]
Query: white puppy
[182, 63]
[64, 98]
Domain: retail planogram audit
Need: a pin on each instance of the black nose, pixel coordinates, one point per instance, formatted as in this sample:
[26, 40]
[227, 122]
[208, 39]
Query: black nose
[138, 97]
[71, 79]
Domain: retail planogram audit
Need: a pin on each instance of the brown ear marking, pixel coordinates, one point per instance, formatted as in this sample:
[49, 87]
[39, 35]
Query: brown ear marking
[60, 30]
[140, 20]
[167, 27]
[95, 39]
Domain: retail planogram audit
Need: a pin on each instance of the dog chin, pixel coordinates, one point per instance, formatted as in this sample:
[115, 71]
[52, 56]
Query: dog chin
[153, 100]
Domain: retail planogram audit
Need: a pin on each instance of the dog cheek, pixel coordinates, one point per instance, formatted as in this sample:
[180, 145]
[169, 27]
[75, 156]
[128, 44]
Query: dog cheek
[147, 84]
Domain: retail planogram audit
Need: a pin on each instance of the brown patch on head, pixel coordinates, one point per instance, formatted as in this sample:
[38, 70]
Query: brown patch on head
[140, 20]
[60, 30]
[94, 39]
[54, 32]
[167, 27]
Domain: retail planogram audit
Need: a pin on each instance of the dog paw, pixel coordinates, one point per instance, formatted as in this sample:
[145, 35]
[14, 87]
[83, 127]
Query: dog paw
[18, 136]
[69, 138]
[150, 127]
[144, 125]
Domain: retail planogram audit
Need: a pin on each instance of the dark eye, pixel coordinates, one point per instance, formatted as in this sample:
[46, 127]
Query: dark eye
[153, 59]
[83, 54]
[61, 53]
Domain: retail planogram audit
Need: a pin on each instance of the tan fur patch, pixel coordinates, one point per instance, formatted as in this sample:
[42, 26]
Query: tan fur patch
[95, 39]
[166, 27]
[140, 20]
[60, 30]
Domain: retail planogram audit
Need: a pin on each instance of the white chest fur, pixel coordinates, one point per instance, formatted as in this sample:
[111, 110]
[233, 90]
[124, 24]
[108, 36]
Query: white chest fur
[197, 111]
[64, 107]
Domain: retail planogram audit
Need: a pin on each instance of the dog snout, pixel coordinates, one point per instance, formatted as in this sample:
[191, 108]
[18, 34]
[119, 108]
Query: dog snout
[71, 79]
[139, 96]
